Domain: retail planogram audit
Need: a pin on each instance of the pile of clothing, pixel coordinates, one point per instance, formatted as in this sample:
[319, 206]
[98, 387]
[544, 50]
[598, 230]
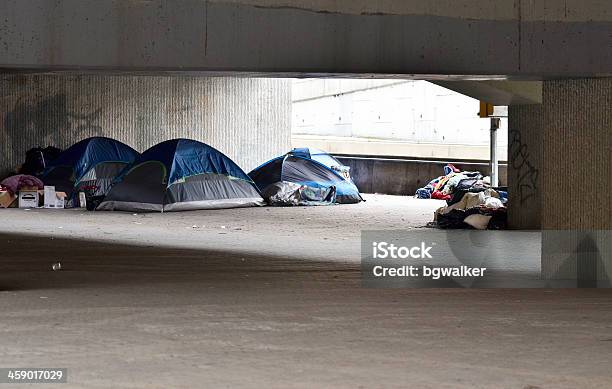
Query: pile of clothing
[471, 201]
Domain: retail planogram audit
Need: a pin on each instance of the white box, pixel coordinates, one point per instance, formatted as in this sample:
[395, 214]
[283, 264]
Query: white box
[82, 200]
[49, 196]
[28, 199]
[60, 203]
[53, 199]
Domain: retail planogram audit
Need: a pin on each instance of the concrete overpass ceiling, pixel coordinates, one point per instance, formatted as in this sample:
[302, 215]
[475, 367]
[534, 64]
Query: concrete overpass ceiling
[498, 92]
[520, 40]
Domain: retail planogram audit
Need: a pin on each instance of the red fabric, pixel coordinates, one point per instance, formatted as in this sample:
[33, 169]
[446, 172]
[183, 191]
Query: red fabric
[439, 195]
[14, 183]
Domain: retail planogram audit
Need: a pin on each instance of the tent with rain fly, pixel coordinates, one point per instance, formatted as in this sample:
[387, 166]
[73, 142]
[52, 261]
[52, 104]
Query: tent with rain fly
[311, 168]
[90, 166]
[181, 174]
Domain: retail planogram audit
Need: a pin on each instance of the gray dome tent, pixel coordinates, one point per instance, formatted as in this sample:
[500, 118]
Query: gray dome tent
[181, 174]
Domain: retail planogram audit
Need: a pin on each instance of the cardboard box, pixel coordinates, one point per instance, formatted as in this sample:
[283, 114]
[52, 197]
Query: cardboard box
[60, 201]
[53, 199]
[28, 199]
[6, 199]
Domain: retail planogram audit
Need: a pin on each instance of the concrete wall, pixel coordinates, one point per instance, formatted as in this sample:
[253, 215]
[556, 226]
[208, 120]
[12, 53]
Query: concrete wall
[520, 38]
[403, 176]
[414, 119]
[247, 119]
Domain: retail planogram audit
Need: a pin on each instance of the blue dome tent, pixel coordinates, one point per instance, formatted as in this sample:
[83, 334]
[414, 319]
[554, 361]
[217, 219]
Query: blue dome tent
[181, 174]
[308, 167]
[90, 165]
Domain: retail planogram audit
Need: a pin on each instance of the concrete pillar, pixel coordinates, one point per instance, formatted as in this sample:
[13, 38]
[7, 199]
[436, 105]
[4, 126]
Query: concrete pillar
[525, 127]
[560, 169]
[249, 119]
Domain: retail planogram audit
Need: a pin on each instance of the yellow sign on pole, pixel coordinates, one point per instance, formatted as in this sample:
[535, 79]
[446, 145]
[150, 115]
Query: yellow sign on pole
[486, 110]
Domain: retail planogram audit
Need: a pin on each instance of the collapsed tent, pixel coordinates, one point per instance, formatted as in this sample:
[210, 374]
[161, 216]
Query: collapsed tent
[181, 174]
[90, 166]
[310, 168]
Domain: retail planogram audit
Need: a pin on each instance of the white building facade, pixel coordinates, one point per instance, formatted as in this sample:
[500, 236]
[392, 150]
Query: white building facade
[400, 118]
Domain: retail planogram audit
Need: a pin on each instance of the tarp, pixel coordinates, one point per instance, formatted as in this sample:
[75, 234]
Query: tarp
[285, 193]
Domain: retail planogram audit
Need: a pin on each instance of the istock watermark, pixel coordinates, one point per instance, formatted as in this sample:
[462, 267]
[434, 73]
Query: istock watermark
[482, 259]
[383, 250]
[386, 250]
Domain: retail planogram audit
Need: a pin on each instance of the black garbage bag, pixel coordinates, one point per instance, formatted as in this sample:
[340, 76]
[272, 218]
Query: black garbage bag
[93, 202]
[37, 159]
[453, 220]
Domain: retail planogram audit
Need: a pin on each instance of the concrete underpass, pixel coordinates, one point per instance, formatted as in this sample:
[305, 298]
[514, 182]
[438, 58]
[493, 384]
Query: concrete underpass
[276, 296]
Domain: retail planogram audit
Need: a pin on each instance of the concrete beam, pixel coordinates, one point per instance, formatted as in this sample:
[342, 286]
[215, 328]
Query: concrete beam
[521, 39]
[498, 92]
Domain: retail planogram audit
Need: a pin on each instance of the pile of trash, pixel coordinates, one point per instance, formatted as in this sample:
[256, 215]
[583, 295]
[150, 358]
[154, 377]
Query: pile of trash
[471, 201]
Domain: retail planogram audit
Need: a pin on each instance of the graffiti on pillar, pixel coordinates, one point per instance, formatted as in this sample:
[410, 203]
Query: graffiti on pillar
[525, 172]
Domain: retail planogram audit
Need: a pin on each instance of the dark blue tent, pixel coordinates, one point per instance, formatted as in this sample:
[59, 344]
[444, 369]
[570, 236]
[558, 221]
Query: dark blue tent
[181, 174]
[90, 165]
[309, 167]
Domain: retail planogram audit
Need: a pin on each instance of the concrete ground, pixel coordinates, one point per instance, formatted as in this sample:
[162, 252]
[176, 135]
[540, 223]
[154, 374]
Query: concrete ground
[272, 297]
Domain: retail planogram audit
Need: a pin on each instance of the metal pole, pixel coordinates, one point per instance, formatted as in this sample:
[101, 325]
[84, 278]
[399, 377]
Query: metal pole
[493, 144]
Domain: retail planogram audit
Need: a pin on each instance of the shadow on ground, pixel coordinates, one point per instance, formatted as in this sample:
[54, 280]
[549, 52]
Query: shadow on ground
[27, 263]
[125, 316]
